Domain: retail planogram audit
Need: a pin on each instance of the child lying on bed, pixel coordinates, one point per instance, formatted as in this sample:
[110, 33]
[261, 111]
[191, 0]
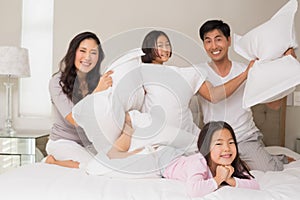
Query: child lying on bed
[217, 163]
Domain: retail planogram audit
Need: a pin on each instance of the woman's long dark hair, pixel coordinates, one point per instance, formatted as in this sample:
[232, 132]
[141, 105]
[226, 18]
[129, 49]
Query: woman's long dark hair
[204, 141]
[68, 82]
[149, 46]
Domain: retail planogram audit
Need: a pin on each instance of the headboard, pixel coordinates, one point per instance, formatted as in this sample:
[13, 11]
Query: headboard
[270, 122]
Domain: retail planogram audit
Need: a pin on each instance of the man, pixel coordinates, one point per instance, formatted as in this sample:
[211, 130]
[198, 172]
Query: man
[215, 35]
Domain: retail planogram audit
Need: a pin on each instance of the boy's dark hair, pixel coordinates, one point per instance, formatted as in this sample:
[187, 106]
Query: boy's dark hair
[211, 25]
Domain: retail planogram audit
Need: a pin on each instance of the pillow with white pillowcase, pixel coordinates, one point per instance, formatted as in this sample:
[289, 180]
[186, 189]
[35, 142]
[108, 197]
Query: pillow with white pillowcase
[271, 39]
[171, 88]
[135, 166]
[166, 115]
[147, 163]
[102, 114]
[271, 80]
[159, 133]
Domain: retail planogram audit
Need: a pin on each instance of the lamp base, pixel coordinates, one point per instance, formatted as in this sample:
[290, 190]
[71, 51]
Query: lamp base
[8, 126]
[8, 132]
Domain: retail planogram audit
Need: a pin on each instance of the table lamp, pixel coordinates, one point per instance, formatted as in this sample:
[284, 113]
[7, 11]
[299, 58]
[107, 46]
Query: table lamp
[14, 63]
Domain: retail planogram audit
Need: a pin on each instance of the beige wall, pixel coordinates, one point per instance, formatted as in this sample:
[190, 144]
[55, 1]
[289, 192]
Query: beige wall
[10, 21]
[108, 18]
[111, 17]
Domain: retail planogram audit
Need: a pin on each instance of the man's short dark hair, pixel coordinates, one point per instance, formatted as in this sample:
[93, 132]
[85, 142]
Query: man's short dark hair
[211, 25]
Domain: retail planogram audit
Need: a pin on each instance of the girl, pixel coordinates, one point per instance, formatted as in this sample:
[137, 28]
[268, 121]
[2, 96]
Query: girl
[78, 76]
[157, 48]
[217, 163]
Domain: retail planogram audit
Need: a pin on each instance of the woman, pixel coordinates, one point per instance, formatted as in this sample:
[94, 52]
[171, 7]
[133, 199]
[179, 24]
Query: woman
[78, 76]
[157, 47]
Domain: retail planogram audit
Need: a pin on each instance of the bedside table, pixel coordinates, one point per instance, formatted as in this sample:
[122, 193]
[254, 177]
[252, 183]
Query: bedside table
[20, 148]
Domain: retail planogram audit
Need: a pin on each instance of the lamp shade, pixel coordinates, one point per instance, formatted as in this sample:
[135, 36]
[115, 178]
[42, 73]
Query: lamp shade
[14, 61]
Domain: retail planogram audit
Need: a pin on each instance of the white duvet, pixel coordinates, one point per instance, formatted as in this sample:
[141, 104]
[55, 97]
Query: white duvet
[43, 181]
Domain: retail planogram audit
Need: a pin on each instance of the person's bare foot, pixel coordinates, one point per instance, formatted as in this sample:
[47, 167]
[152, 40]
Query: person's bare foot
[73, 164]
[64, 163]
[290, 159]
[50, 159]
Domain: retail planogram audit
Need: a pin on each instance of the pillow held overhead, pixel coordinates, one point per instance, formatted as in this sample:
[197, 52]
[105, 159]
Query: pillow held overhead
[270, 81]
[272, 38]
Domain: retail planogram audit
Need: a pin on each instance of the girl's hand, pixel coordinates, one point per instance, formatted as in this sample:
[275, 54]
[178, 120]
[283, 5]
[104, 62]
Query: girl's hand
[104, 82]
[221, 174]
[136, 151]
[290, 51]
[229, 179]
[231, 170]
[128, 119]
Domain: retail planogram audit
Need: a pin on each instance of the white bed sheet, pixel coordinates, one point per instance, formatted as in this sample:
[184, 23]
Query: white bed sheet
[42, 181]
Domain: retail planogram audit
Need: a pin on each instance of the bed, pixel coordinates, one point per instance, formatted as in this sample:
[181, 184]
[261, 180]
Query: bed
[43, 181]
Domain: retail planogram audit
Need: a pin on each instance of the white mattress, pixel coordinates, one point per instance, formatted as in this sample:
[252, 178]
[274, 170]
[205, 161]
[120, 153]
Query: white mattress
[42, 181]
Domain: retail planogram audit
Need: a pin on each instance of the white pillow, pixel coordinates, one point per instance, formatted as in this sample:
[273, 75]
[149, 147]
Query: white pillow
[272, 38]
[159, 133]
[135, 166]
[269, 81]
[277, 150]
[171, 89]
[146, 164]
[168, 94]
[102, 114]
[127, 80]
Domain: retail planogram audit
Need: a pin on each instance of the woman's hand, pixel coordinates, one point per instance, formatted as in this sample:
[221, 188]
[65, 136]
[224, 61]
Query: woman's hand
[104, 82]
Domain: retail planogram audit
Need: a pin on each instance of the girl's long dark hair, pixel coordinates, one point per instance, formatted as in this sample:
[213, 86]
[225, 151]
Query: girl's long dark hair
[240, 168]
[68, 82]
[149, 46]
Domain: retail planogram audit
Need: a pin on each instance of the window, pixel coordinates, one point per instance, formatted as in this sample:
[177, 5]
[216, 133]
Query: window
[37, 37]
